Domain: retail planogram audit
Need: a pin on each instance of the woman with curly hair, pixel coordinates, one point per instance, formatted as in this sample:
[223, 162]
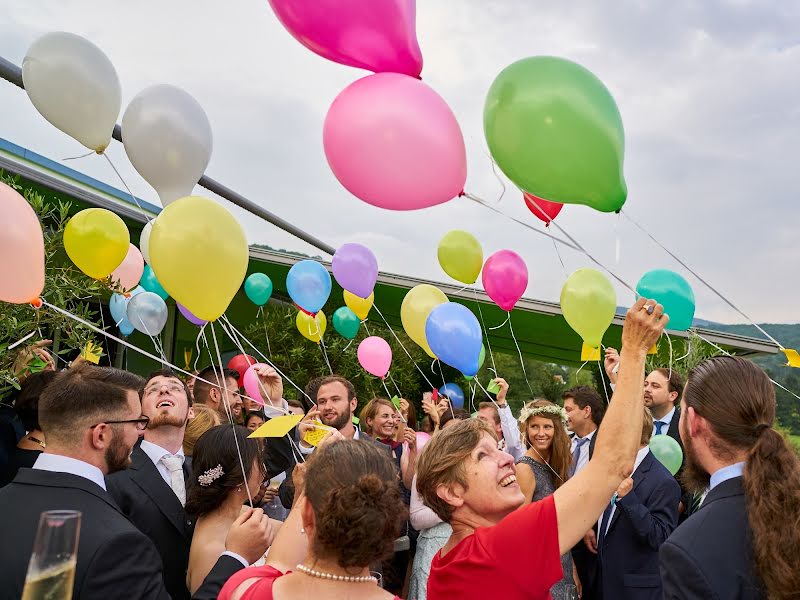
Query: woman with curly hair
[339, 526]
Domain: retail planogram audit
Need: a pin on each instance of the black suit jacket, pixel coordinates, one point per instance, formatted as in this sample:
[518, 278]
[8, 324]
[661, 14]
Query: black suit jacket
[585, 561]
[642, 521]
[710, 557]
[115, 559]
[674, 432]
[146, 499]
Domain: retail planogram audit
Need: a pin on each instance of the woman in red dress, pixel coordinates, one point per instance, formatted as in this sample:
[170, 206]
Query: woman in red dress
[497, 551]
[343, 521]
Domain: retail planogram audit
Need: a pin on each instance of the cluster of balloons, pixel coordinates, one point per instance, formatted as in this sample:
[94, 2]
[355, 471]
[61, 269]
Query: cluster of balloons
[140, 310]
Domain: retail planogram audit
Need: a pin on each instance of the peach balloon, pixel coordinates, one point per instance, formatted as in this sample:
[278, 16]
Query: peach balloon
[128, 274]
[21, 249]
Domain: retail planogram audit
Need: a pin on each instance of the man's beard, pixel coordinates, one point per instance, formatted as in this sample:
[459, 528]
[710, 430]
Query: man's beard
[339, 422]
[694, 477]
[117, 455]
[165, 419]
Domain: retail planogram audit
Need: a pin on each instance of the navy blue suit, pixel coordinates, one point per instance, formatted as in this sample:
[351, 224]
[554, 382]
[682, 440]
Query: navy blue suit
[644, 518]
[710, 556]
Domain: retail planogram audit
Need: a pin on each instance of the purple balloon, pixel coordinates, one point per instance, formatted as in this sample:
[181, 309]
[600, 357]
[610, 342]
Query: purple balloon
[355, 269]
[189, 316]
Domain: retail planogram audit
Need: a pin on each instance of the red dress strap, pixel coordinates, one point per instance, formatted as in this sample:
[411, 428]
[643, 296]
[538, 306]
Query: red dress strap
[261, 589]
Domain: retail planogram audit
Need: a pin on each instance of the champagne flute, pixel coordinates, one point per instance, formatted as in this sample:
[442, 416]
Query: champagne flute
[51, 571]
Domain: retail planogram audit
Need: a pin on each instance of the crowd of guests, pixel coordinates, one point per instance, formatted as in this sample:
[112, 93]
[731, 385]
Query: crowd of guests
[178, 501]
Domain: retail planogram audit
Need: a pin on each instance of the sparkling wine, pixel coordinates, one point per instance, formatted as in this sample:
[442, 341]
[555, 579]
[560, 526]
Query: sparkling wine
[54, 583]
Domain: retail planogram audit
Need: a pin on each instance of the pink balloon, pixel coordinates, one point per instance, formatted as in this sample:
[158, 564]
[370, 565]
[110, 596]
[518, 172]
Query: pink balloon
[505, 278]
[21, 249]
[129, 272]
[251, 384]
[422, 439]
[377, 35]
[375, 355]
[394, 143]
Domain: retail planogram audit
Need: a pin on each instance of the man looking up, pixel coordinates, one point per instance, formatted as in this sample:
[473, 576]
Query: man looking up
[224, 392]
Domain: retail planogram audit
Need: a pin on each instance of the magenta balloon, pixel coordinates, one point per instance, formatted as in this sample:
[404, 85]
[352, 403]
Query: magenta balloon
[377, 35]
[375, 355]
[189, 316]
[355, 269]
[394, 143]
[505, 278]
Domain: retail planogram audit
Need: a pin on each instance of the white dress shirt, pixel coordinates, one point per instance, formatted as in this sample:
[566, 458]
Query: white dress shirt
[639, 458]
[64, 464]
[511, 434]
[155, 453]
[271, 411]
[583, 456]
[666, 419]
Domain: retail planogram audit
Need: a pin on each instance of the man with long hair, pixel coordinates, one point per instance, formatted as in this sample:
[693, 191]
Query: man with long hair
[743, 540]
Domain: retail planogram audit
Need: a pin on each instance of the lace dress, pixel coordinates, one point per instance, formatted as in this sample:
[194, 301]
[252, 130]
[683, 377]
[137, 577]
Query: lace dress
[545, 486]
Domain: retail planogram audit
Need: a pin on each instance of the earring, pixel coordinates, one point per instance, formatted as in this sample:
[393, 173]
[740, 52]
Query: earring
[302, 530]
[239, 489]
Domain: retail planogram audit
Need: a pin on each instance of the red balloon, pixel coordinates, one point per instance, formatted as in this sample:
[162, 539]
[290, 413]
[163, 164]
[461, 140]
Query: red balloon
[542, 209]
[240, 363]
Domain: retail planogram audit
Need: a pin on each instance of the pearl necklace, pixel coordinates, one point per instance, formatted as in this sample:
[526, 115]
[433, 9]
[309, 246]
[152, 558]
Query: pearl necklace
[334, 577]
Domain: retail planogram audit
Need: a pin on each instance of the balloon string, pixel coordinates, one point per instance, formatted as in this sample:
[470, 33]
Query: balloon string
[268, 361]
[230, 416]
[375, 306]
[22, 340]
[617, 245]
[350, 343]
[488, 395]
[497, 176]
[508, 316]
[485, 331]
[263, 313]
[725, 352]
[603, 380]
[669, 339]
[364, 323]
[325, 355]
[521, 361]
[703, 281]
[389, 396]
[688, 349]
[135, 199]
[200, 334]
[473, 389]
[478, 200]
[394, 383]
[561, 260]
[104, 339]
[579, 370]
[80, 156]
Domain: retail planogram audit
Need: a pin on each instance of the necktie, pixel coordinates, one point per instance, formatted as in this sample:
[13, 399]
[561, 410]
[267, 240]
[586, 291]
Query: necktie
[575, 454]
[659, 425]
[175, 466]
[604, 523]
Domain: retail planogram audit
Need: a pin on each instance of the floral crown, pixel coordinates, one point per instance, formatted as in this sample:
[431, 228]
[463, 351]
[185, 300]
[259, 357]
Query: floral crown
[550, 410]
[207, 478]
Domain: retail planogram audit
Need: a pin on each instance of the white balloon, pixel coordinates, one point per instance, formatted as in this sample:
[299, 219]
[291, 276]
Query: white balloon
[168, 140]
[74, 86]
[144, 241]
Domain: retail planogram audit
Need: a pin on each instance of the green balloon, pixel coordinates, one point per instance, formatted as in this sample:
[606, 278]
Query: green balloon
[556, 132]
[150, 283]
[346, 322]
[258, 288]
[481, 358]
[667, 451]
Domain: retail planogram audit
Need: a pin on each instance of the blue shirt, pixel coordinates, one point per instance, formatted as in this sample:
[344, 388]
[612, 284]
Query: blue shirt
[725, 473]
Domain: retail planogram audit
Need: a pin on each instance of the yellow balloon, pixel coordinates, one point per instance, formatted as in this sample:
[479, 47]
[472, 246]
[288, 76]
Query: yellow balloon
[199, 254]
[417, 305]
[97, 241]
[589, 303]
[360, 306]
[461, 256]
[311, 328]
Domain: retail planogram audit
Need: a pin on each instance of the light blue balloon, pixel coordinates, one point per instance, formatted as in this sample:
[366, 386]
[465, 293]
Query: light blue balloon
[455, 393]
[454, 335]
[118, 305]
[673, 292]
[147, 312]
[309, 285]
[125, 328]
[150, 283]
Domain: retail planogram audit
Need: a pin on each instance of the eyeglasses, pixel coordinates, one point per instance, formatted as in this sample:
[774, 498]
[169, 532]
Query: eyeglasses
[173, 388]
[141, 422]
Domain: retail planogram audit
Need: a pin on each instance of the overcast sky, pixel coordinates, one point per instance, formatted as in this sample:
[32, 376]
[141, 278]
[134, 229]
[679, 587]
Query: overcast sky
[709, 94]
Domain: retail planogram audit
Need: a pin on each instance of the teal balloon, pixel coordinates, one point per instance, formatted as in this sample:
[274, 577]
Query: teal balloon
[556, 132]
[150, 283]
[667, 451]
[346, 322]
[258, 288]
[673, 292]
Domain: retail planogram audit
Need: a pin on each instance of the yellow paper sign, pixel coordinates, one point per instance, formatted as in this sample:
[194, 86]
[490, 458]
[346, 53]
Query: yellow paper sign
[314, 436]
[92, 353]
[653, 350]
[589, 353]
[277, 427]
[793, 357]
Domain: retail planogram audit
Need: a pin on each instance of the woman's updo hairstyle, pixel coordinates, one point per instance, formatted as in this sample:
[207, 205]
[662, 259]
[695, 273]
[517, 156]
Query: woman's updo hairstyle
[353, 487]
[216, 451]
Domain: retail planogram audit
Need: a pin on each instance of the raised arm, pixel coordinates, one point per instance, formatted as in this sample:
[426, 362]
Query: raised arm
[581, 501]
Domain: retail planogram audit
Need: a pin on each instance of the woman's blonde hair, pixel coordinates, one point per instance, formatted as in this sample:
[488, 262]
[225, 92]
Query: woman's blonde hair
[204, 419]
[560, 456]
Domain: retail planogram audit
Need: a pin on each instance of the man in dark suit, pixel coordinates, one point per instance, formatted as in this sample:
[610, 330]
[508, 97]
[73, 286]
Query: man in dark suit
[741, 543]
[92, 424]
[585, 410]
[643, 513]
[152, 491]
